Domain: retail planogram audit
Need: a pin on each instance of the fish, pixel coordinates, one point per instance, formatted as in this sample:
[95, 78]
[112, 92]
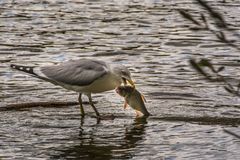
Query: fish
[134, 99]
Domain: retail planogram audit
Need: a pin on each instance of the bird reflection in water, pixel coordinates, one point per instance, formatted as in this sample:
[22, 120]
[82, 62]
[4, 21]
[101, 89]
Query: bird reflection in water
[105, 141]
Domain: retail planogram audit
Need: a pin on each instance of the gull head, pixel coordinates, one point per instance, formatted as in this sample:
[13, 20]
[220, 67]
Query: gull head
[123, 73]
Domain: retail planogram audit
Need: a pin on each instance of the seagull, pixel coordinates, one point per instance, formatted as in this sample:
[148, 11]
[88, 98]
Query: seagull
[85, 76]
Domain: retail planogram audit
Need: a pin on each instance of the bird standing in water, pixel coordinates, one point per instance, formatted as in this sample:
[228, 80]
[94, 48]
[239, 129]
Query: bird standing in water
[85, 76]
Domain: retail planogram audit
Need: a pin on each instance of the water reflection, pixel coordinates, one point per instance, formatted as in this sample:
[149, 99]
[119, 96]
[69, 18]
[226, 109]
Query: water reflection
[100, 143]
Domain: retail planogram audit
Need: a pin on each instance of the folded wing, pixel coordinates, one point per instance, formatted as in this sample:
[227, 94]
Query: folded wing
[76, 72]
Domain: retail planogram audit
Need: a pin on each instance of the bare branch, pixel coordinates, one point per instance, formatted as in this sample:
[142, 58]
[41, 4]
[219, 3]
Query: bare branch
[188, 16]
[220, 22]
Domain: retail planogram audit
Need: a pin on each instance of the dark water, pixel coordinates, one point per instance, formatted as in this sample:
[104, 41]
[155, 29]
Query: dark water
[151, 38]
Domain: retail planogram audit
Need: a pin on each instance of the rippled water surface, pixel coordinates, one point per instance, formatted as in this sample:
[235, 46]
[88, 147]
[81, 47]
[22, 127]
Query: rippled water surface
[190, 115]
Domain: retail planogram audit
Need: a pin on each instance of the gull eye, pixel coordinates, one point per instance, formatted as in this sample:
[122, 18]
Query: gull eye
[124, 73]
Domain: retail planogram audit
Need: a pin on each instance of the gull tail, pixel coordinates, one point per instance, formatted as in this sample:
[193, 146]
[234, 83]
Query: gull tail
[33, 71]
[26, 69]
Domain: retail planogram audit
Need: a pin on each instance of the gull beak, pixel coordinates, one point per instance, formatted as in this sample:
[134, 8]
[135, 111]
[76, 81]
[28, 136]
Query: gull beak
[131, 82]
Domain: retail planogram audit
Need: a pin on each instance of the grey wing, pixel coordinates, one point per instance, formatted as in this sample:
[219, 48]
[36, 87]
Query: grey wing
[76, 72]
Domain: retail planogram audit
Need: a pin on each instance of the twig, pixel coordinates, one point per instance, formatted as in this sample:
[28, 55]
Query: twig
[220, 23]
[203, 120]
[36, 104]
[217, 77]
[232, 133]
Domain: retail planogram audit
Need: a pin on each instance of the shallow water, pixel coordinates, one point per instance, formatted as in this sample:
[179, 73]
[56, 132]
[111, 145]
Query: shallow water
[151, 38]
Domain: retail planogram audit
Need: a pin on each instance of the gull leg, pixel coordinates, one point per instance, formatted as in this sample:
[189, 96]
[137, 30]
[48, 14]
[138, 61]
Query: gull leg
[94, 108]
[81, 106]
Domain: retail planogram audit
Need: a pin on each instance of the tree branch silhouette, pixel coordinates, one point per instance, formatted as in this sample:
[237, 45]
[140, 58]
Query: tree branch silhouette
[216, 25]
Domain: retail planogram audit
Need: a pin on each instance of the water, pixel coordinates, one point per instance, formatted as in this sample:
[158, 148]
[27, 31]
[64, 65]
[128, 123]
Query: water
[151, 38]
